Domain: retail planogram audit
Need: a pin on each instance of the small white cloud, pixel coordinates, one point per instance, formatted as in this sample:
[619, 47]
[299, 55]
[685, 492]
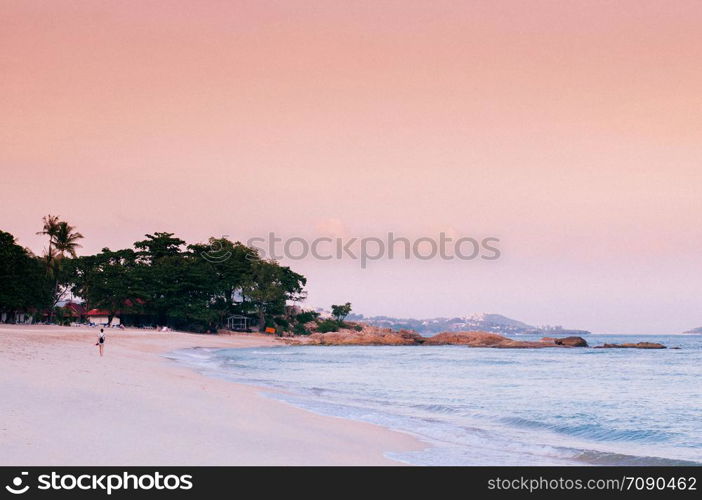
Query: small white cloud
[332, 227]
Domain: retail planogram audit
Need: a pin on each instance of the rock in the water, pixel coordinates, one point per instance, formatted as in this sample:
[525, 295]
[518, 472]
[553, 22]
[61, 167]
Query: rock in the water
[370, 335]
[373, 335]
[571, 342]
[631, 345]
[484, 339]
[473, 339]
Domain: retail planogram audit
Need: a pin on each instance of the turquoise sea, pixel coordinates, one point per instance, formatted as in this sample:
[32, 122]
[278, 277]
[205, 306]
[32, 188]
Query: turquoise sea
[481, 406]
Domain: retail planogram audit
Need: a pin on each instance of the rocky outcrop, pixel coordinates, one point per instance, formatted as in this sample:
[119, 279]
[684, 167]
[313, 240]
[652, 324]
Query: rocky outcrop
[631, 345]
[566, 341]
[571, 342]
[374, 335]
[371, 335]
[474, 339]
[484, 339]
[477, 339]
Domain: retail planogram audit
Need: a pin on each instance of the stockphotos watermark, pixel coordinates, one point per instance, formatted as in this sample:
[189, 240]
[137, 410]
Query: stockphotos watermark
[365, 249]
[107, 483]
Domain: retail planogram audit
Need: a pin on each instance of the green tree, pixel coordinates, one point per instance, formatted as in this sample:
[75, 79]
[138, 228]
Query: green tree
[269, 287]
[63, 239]
[23, 282]
[339, 312]
[161, 280]
[50, 229]
[177, 285]
[158, 246]
[106, 280]
[231, 264]
[66, 239]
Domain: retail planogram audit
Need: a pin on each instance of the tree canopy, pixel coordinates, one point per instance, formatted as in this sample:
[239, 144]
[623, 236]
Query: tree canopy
[23, 281]
[160, 281]
[339, 312]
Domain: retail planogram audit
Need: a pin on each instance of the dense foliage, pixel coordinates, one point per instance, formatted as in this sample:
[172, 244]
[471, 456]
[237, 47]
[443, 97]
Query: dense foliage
[24, 284]
[164, 282]
[160, 281]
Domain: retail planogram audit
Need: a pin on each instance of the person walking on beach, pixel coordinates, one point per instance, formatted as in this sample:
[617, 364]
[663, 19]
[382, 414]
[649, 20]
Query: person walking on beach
[101, 341]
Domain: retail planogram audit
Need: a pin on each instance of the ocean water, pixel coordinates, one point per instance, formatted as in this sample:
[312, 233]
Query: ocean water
[481, 406]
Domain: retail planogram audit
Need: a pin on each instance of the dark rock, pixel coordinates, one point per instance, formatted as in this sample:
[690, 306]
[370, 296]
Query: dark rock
[571, 342]
[631, 345]
[484, 339]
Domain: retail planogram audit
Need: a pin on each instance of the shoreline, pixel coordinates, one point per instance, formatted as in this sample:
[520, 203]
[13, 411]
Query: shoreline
[596, 445]
[64, 405]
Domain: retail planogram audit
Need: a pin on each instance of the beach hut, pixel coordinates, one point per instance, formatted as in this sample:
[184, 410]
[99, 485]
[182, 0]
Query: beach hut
[75, 311]
[238, 323]
[100, 317]
[70, 310]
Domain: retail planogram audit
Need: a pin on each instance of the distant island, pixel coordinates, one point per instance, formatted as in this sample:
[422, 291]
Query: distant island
[486, 322]
[695, 330]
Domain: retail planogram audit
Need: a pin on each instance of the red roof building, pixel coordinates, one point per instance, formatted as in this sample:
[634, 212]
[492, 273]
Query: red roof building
[97, 312]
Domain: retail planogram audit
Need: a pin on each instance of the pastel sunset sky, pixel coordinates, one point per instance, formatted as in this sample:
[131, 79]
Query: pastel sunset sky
[572, 131]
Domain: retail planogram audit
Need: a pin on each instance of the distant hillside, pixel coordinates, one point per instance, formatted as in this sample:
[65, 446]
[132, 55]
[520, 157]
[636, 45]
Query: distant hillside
[695, 330]
[495, 323]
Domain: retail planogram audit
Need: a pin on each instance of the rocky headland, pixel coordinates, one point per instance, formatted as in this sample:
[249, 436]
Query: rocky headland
[368, 335]
[373, 335]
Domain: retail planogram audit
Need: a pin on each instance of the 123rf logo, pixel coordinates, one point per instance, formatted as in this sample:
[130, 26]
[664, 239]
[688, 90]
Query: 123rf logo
[107, 483]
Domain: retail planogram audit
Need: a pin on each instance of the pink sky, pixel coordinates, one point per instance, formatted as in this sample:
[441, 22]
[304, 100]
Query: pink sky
[571, 130]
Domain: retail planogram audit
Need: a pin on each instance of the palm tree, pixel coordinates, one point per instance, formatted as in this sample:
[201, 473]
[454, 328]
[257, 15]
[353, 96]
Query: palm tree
[51, 228]
[65, 239]
[62, 240]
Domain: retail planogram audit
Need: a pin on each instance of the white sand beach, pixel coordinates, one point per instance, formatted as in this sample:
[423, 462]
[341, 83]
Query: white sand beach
[64, 405]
